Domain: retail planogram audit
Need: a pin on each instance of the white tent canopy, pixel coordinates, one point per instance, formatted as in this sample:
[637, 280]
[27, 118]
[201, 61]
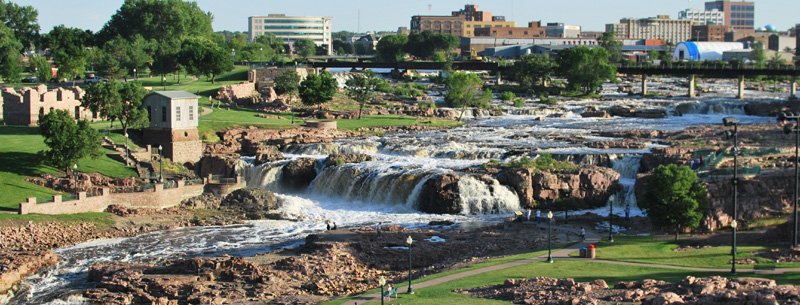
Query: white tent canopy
[696, 50]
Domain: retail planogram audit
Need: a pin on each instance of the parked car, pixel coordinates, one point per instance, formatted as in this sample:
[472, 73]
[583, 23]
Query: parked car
[94, 79]
[30, 80]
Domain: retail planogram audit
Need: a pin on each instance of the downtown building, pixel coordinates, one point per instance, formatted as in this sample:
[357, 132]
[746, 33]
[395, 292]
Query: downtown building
[738, 15]
[654, 28]
[713, 16]
[461, 23]
[292, 28]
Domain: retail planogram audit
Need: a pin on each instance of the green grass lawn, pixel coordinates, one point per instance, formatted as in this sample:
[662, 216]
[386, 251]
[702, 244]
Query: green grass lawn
[19, 154]
[648, 249]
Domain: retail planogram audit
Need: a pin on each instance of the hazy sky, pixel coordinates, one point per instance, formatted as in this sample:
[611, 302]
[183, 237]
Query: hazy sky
[376, 15]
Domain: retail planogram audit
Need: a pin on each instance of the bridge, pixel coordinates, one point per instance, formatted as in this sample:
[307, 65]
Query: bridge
[692, 70]
[409, 65]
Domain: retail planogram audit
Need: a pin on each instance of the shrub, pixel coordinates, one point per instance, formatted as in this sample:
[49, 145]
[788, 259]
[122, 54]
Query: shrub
[507, 95]
[547, 100]
[519, 102]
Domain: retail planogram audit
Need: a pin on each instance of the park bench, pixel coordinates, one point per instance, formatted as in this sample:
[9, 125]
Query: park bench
[390, 293]
[764, 268]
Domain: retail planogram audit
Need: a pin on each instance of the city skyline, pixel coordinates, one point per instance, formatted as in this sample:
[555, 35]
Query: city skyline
[363, 16]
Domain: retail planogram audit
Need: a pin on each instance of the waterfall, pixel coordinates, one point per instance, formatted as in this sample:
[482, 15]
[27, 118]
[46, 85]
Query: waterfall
[711, 108]
[373, 182]
[478, 197]
[264, 176]
[627, 166]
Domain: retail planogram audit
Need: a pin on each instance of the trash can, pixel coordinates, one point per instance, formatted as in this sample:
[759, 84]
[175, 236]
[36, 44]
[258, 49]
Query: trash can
[590, 252]
[583, 252]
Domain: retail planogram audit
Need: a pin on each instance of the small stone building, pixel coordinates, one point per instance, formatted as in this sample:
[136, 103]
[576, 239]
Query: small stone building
[24, 107]
[174, 116]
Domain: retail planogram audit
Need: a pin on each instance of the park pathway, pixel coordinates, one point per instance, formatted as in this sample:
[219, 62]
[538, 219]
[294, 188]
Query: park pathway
[591, 238]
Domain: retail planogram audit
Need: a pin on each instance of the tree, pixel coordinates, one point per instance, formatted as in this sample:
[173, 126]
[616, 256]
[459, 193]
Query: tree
[201, 56]
[11, 62]
[305, 47]
[464, 90]
[390, 48]
[532, 68]
[68, 140]
[68, 49]
[318, 89]
[343, 47]
[585, 68]
[40, 66]
[360, 87]
[116, 100]
[288, 83]
[22, 20]
[609, 42]
[425, 44]
[759, 55]
[674, 197]
[158, 20]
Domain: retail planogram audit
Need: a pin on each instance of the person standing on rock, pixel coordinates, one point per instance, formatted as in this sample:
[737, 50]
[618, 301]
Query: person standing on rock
[328, 225]
[538, 216]
[378, 228]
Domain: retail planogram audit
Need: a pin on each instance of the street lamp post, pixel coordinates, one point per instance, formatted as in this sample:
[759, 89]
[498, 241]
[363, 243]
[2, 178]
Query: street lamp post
[409, 241]
[75, 176]
[732, 121]
[160, 164]
[261, 59]
[37, 75]
[733, 247]
[566, 206]
[783, 117]
[135, 76]
[382, 281]
[549, 237]
[610, 219]
[127, 151]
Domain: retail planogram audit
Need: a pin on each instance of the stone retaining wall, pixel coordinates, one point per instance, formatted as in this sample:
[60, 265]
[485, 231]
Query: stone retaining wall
[155, 198]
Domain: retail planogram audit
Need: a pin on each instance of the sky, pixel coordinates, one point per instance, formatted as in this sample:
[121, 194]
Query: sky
[383, 15]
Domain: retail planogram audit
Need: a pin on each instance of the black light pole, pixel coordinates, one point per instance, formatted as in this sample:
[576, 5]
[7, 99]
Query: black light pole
[75, 175]
[160, 165]
[409, 241]
[261, 59]
[566, 206]
[733, 247]
[610, 219]
[382, 281]
[732, 121]
[127, 152]
[783, 117]
[549, 236]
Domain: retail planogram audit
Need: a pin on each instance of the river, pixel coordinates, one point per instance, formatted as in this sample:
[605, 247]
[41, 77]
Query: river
[386, 189]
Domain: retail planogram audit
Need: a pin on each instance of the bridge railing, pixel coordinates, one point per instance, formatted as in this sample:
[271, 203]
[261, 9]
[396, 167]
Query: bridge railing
[704, 65]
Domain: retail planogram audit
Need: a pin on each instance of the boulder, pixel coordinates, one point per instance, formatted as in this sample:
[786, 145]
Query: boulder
[253, 203]
[298, 174]
[440, 195]
[268, 153]
[217, 165]
[337, 159]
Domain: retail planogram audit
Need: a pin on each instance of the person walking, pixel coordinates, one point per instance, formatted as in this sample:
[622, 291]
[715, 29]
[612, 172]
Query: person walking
[583, 235]
[528, 214]
[538, 216]
[378, 228]
[627, 212]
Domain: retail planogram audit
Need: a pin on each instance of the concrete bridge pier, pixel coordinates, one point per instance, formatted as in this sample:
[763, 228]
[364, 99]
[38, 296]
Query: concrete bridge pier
[692, 85]
[644, 84]
[741, 87]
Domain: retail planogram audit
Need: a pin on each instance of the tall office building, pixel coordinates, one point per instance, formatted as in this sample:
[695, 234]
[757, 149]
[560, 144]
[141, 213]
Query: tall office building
[661, 28]
[739, 15]
[714, 16]
[291, 28]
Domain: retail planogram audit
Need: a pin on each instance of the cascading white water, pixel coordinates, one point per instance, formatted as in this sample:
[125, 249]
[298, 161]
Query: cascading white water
[374, 182]
[478, 197]
[264, 176]
[627, 166]
[711, 108]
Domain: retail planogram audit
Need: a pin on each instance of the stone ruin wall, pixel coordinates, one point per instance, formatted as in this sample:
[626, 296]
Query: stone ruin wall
[24, 107]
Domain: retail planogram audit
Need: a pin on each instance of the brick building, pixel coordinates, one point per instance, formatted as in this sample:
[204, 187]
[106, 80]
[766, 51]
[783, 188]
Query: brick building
[471, 13]
[24, 107]
[438, 24]
[173, 125]
[660, 27]
[709, 32]
[534, 30]
[739, 15]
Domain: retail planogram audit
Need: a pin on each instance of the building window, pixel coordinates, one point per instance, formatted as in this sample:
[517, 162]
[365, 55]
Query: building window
[163, 113]
[191, 113]
[177, 113]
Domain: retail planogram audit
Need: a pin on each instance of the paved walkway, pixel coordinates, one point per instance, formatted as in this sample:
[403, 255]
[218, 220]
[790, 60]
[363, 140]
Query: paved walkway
[591, 238]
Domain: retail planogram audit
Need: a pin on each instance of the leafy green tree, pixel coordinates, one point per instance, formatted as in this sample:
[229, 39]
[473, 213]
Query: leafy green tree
[531, 69]
[68, 49]
[343, 47]
[609, 42]
[425, 44]
[585, 68]
[117, 100]
[165, 59]
[287, 82]
[106, 64]
[159, 20]
[202, 56]
[759, 55]
[360, 87]
[40, 66]
[68, 140]
[674, 197]
[464, 90]
[390, 48]
[305, 47]
[653, 54]
[22, 20]
[11, 62]
[318, 89]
